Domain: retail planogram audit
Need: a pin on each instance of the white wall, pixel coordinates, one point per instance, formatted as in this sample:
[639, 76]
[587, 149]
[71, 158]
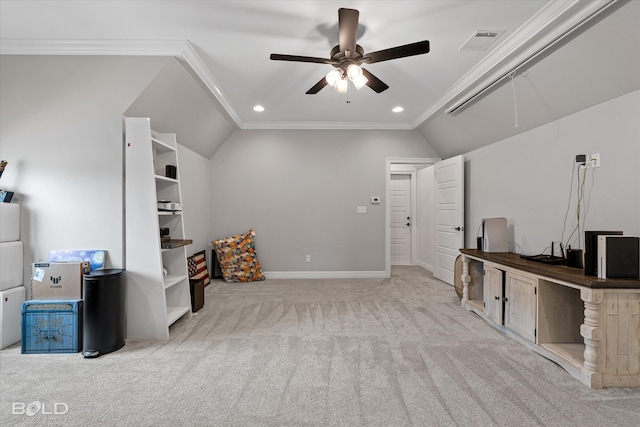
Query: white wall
[299, 191]
[61, 133]
[526, 178]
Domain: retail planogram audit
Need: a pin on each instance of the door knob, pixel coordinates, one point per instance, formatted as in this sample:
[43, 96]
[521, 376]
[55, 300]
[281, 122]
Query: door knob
[408, 224]
[408, 218]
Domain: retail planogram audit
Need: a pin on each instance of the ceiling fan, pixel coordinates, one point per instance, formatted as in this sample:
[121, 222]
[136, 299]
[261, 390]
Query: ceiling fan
[347, 58]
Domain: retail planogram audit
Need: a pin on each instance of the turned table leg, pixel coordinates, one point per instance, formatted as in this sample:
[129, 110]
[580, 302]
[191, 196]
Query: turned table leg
[591, 330]
[466, 278]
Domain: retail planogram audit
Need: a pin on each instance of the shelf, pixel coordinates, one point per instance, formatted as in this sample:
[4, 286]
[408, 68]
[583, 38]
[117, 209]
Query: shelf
[165, 298]
[160, 146]
[169, 213]
[169, 281]
[172, 244]
[571, 352]
[174, 313]
[165, 179]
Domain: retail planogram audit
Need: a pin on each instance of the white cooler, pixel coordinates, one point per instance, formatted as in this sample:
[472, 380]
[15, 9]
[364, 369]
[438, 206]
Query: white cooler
[11, 269]
[9, 222]
[11, 316]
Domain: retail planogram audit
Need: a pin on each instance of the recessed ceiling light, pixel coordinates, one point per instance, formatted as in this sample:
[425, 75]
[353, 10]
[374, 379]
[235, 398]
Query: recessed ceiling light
[258, 108]
[398, 109]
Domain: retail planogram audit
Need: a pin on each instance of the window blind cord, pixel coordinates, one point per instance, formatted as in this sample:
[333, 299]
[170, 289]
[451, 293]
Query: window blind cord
[515, 99]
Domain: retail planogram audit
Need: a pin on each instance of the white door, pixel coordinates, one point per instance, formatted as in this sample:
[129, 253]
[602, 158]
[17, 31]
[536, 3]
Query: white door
[449, 205]
[400, 204]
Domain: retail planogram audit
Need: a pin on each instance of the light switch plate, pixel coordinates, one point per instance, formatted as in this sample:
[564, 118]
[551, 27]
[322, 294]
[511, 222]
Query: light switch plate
[361, 209]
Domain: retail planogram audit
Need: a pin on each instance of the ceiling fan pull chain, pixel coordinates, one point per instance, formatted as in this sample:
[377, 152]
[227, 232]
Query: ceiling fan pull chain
[515, 100]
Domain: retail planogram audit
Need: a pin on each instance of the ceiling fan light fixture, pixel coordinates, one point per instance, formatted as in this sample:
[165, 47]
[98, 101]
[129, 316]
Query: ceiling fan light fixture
[354, 72]
[342, 85]
[334, 76]
[360, 81]
[347, 56]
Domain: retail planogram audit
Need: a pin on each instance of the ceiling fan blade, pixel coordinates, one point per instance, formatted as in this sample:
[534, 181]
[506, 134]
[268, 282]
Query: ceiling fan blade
[412, 49]
[295, 58]
[348, 29]
[316, 88]
[374, 83]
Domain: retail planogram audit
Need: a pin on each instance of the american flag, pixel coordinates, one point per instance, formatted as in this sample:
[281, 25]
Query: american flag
[197, 265]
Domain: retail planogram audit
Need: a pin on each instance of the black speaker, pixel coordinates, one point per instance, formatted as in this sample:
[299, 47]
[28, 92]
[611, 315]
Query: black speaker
[591, 250]
[171, 171]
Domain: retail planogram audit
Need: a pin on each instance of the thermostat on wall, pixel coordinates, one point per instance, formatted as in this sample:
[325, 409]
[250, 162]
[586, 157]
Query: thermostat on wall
[375, 200]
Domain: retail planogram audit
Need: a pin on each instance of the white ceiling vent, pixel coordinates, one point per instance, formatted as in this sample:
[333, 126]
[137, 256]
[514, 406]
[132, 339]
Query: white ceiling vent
[481, 40]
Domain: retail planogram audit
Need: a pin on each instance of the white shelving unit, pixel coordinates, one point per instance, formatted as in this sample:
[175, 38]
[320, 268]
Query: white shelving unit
[154, 301]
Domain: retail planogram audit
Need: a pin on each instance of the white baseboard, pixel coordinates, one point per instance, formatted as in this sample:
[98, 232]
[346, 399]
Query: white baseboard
[426, 266]
[324, 274]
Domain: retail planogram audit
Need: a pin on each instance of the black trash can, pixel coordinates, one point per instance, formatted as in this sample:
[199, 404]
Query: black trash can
[104, 327]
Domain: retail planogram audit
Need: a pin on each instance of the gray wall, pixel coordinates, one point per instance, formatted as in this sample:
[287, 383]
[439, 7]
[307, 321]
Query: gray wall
[195, 186]
[426, 219]
[299, 191]
[526, 178]
[61, 132]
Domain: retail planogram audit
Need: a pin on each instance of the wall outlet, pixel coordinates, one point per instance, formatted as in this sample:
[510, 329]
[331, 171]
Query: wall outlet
[308, 258]
[361, 209]
[595, 160]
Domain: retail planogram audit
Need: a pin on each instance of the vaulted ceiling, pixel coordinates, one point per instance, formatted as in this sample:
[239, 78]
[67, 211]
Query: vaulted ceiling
[224, 47]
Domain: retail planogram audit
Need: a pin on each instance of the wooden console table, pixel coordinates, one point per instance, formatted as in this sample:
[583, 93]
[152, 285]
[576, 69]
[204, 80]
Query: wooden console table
[588, 326]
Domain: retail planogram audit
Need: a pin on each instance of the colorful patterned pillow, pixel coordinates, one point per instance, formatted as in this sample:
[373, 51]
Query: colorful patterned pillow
[238, 259]
[197, 266]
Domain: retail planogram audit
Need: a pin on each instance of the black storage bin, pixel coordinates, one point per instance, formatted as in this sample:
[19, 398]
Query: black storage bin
[104, 327]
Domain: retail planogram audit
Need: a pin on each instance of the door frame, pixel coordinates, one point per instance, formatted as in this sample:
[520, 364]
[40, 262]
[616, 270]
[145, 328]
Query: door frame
[411, 171]
[422, 161]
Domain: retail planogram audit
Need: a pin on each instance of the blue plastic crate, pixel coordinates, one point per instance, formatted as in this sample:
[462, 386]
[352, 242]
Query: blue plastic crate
[51, 326]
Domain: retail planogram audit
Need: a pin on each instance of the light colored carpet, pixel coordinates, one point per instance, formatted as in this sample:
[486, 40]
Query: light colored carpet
[315, 353]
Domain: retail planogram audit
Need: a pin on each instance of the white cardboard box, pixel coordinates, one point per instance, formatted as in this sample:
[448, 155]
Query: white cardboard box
[11, 315]
[57, 280]
[11, 268]
[9, 222]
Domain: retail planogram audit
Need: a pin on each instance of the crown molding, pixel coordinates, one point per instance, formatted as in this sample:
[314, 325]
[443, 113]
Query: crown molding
[325, 125]
[190, 58]
[91, 47]
[550, 24]
[180, 49]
